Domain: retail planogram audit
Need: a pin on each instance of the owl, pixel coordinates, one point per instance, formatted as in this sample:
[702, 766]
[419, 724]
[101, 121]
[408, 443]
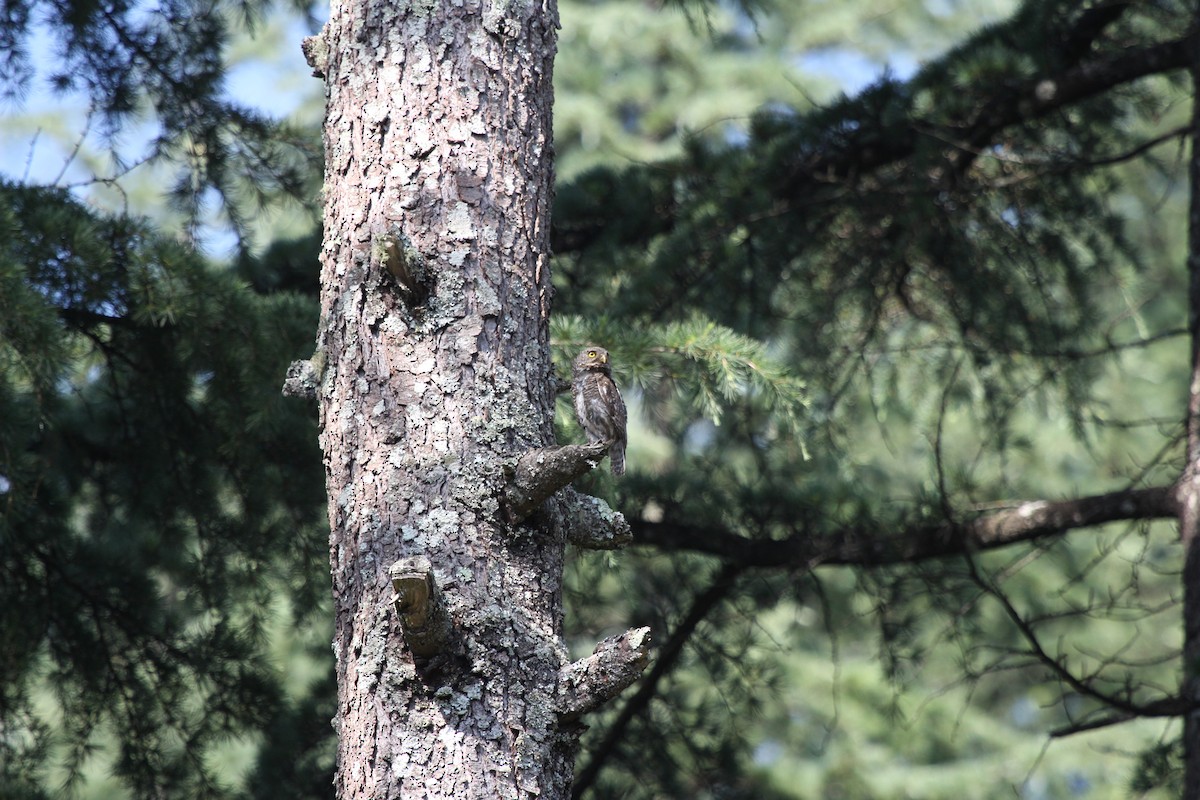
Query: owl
[598, 405]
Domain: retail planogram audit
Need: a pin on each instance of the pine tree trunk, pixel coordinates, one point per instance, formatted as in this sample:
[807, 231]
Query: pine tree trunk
[436, 374]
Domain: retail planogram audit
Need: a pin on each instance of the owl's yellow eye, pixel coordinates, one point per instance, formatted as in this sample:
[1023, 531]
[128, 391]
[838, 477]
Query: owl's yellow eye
[591, 353]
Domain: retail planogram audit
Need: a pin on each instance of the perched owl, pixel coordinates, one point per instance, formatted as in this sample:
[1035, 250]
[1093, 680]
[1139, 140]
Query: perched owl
[598, 405]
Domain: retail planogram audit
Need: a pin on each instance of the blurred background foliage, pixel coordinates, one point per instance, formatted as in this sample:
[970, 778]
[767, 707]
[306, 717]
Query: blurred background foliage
[979, 317]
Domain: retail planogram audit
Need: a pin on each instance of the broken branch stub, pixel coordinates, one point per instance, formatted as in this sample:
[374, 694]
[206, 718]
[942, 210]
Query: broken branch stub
[587, 684]
[423, 617]
[542, 472]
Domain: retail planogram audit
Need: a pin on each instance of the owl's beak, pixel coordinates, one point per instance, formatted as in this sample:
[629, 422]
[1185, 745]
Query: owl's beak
[604, 359]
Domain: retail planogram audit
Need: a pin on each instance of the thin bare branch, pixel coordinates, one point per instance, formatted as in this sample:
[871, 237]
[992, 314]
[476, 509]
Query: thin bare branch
[1084, 685]
[1166, 707]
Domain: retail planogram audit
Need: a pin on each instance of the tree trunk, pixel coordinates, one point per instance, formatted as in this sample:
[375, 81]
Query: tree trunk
[1189, 486]
[435, 375]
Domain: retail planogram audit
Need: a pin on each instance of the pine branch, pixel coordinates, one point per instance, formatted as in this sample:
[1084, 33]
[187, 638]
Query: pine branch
[714, 366]
[1000, 108]
[996, 107]
[867, 545]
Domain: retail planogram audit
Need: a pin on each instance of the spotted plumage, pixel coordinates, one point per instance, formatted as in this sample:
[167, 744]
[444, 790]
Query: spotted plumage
[598, 405]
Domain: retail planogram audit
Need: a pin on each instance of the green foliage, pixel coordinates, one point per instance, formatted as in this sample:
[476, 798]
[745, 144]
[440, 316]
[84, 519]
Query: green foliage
[706, 367]
[830, 312]
[633, 83]
[988, 270]
[298, 750]
[152, 503]
[1158, 768]
[129, 62]
[953, 296]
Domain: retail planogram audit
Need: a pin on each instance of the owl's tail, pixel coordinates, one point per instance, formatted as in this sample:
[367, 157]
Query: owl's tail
[616, 456]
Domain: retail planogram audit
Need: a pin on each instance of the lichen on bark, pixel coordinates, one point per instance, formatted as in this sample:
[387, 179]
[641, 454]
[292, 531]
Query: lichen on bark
[437, 134]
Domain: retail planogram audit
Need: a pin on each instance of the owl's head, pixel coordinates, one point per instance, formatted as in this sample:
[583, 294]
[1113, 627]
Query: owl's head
[591, 357]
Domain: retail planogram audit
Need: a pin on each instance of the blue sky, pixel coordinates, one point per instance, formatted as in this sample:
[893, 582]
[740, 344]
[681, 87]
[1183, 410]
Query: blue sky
[46, 139]
[43, 140]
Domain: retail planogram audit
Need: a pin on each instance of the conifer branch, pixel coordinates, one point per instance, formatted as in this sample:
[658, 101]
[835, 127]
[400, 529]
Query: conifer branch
[587, 684]
[542, 472]
[872, 545]
[1001, 108]
[997, 107]
[713, 365]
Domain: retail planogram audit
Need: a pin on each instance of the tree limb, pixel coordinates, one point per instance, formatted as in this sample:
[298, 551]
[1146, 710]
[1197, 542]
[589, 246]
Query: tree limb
[302, 379]
[542, 472]
[423, 617]
[592, 524]
[587, 684]
[1165, 707]
[869, 546]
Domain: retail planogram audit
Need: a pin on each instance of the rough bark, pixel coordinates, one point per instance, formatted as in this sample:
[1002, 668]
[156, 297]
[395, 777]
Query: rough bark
[542, 472]
[438, 154]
